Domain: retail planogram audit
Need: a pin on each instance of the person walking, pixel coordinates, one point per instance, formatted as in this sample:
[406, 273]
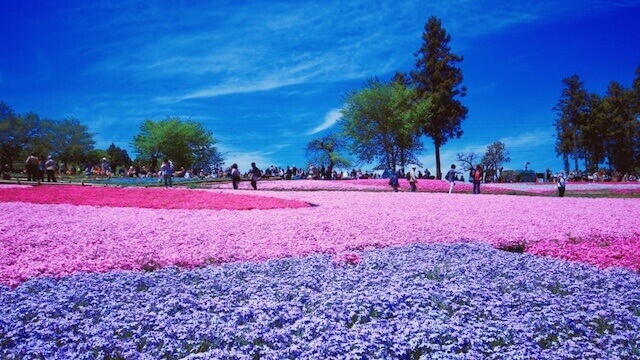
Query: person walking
[50, 168]
[477, 178]
[255, 175]
[451, 177]
[235, 176]
[413, 180]
[561, 185]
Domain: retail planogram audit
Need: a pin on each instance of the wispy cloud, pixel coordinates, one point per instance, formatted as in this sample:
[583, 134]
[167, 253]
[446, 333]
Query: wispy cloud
[329, 120]
[240, 49]
[541, 136]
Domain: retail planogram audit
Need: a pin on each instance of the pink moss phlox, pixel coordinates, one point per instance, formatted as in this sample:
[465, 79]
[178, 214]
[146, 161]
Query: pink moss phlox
[61, 239]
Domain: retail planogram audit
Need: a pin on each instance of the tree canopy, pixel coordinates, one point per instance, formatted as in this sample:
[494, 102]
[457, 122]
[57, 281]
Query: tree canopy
[378, 121]
[186, 143]
[69, 140]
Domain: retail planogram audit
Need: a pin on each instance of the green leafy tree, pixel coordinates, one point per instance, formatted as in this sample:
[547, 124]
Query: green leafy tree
[378, 121]
[571, 110]
[69, 140]
[438, 79]
[327, 151]
[187, 143]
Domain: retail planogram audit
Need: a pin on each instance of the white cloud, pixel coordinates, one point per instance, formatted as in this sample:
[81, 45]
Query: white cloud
[329, 120]
[537, 137]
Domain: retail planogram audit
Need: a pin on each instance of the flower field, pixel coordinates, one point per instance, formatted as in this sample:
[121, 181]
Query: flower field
[627, 188]
[352, 271]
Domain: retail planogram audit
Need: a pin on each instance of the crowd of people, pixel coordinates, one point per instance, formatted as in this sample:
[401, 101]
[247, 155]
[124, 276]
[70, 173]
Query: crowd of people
[600, 176]
[36, 168]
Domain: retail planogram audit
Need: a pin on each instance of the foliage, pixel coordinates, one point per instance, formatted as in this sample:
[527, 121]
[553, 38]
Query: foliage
[378, 120]
[67, 140]
[438, 79]
[187, 143]
[326, 151]
[95, 156]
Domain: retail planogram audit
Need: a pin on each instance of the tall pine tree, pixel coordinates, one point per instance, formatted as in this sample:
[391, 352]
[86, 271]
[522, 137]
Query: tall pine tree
[571, 109]
[437, 78]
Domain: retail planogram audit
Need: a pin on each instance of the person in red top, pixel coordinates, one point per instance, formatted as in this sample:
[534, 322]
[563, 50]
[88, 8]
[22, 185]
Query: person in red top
[477, 177]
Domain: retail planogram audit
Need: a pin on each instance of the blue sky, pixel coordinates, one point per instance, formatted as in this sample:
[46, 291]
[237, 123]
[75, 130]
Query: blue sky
[267, 77]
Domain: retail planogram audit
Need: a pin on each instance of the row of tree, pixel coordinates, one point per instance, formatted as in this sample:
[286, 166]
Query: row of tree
[383, 123]
[599, 129]
[187, 143]
[68, 140]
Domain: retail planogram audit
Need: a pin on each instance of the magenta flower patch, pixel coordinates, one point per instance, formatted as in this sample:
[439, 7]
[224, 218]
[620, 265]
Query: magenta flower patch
[147, 198]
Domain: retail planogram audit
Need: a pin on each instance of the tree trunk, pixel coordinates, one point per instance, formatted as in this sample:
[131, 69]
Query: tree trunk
[154, 163]
[438, 168]
[575, 151]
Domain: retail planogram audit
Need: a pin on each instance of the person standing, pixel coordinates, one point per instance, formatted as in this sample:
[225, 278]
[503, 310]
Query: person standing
[41, 168]
[31, 165]
[451, 177]
[6, 172]
[50, 168]
[413, 180]
[167, 173]
[477, 177]
[561, 185]
[255, 175]
[106, 168]
[393, 181]
[235, 176]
